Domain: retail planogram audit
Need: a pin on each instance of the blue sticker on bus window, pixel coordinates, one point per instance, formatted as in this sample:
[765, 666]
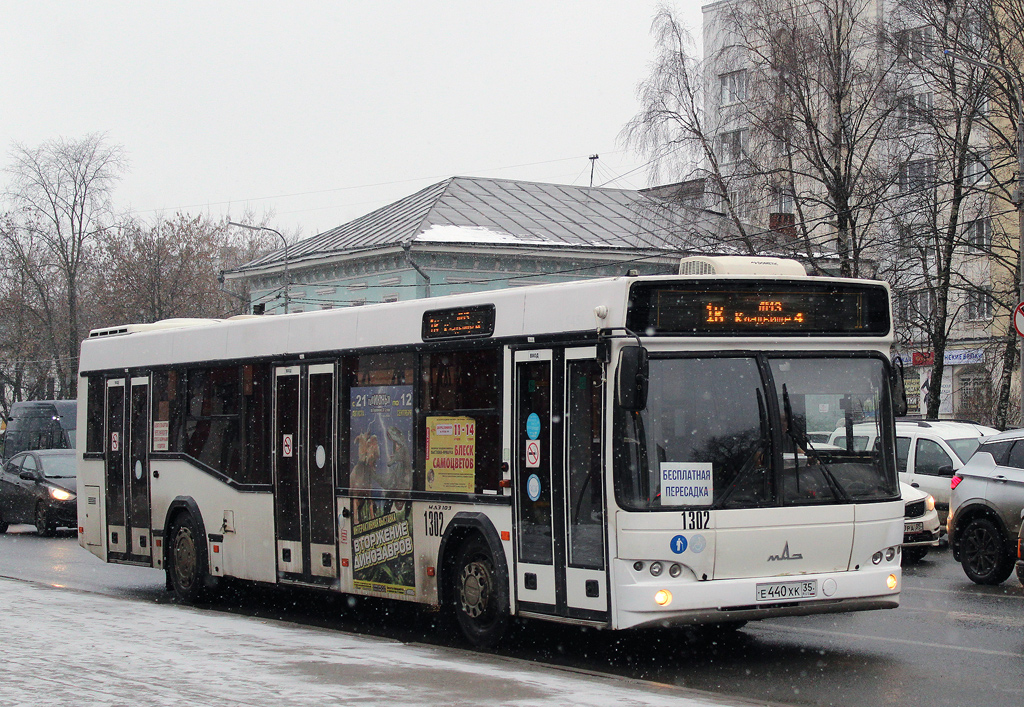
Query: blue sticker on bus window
[533, 487]
[678, 544]
[533, 426]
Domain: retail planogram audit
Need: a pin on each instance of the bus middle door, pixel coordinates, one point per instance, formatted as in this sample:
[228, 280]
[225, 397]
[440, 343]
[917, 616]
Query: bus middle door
[304, 481]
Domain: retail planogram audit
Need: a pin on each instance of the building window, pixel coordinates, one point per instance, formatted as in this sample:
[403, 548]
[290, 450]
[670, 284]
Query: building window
[734, 87]
[974, 392]
[979, 306]
[976, 171]
[915, 110]
[979, 235]
[920, 304]
[732, 146]
[914, 45]
[917, 175]
[908, 239]
[784, 201]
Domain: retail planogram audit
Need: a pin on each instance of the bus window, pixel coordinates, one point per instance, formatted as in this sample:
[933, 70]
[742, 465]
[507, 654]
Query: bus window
[212, 418]
[813, 391]
[706, 428]
[94, 416]
[461, 390]
[380, 423]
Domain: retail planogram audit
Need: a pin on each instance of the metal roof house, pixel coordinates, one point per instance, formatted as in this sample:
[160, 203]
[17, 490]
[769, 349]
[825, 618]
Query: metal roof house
[467, 234]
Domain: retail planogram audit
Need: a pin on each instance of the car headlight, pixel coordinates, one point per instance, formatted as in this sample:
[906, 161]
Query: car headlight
[61, 494]
[929, 503]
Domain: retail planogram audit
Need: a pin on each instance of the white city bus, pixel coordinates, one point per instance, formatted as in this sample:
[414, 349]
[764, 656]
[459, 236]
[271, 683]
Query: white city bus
[616, 452]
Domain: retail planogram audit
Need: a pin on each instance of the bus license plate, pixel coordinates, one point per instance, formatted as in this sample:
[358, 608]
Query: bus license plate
[913, 527]
[776, 591]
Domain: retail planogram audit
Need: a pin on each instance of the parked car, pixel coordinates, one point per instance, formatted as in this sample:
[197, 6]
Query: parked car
[985, 508]
[40, 424]
[928, 452]
[39, 488]
[920, 523]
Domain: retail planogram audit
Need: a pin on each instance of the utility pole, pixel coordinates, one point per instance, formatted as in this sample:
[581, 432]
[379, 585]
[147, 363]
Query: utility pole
[593, 161]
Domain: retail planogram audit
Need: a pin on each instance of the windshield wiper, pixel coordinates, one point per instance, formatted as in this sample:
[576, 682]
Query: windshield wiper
[801, 441]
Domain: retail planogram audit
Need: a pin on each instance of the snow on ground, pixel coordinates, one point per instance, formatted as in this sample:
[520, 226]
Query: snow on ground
[65, 647]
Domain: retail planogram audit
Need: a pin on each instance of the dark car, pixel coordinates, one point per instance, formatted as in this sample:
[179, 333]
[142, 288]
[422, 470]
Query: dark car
[39, 488]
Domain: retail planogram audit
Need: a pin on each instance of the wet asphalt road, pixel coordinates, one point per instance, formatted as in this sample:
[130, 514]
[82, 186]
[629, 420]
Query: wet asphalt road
[949, 643]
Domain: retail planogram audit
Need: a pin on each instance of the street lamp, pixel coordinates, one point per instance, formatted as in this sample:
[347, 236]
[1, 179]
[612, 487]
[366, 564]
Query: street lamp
[287, 281]
[1016, 87]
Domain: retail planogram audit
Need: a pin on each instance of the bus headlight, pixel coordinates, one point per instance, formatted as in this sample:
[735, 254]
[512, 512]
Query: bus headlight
[656, 569]
[891, 582]
[877, 558]
[663, 597]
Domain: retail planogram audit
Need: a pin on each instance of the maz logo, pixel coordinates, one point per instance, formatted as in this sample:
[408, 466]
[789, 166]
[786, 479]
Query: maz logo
[785, 555]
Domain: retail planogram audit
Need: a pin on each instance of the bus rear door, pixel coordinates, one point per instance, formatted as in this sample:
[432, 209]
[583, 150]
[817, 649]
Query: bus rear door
[128, 507]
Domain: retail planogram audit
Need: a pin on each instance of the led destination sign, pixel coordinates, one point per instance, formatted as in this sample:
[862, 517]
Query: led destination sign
[459, 323]
[759, 308]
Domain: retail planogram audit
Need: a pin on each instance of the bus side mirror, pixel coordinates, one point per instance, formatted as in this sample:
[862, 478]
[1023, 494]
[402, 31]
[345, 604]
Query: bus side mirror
[631, 384]
[899, 388]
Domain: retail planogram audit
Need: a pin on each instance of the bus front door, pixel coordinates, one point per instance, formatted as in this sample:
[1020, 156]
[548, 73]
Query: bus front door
[304, 461]
[559, 499]
[126, 452]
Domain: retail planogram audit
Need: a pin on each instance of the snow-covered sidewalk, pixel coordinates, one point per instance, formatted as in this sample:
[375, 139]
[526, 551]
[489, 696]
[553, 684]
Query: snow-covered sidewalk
[64, 647]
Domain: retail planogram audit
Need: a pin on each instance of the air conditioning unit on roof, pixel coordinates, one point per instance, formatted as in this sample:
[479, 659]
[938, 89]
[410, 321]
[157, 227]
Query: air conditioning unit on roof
[740, 265]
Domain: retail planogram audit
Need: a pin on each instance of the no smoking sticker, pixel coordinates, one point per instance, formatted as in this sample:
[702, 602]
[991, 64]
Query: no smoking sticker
[532, 453]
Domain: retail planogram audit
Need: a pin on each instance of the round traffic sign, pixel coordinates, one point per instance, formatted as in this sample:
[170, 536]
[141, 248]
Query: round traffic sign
[1018, 319]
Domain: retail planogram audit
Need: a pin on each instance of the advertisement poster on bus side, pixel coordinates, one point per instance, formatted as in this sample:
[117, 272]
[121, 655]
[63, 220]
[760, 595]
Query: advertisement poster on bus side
[382, 558]
[451, 454]
[381, 452]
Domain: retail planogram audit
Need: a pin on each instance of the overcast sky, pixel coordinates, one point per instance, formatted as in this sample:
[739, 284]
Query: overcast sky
[319, 112]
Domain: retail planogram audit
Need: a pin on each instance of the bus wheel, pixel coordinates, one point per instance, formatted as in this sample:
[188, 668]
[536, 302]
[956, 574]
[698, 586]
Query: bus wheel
[186, 561]
[480, 598]
[984, 554]
[43, 525]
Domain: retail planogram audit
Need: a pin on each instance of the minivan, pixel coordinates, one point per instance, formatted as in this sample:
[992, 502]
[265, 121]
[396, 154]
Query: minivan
[40, 424]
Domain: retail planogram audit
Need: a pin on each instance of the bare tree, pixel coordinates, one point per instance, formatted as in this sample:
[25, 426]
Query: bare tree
[171, 269]
[821, 114]
[792, 104]
[674, 129]
[963, 266]
[61, 193]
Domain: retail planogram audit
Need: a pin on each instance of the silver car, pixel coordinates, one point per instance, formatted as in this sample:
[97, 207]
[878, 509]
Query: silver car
[985, 508]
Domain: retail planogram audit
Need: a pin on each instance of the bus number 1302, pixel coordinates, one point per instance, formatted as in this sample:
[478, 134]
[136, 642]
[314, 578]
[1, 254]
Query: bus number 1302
[696, 520]
[434, 521]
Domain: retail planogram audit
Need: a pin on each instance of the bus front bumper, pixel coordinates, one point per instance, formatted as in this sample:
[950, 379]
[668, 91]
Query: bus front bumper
[667, 602]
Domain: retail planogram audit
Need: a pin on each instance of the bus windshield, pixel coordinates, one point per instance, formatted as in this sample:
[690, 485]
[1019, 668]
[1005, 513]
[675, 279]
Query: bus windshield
[732, 432]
